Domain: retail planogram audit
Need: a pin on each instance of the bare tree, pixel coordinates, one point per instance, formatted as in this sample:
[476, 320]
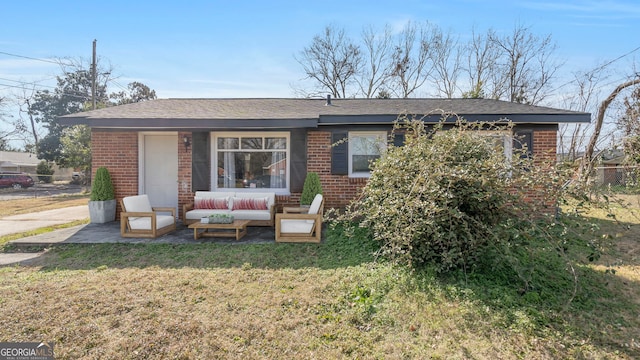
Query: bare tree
[482, 55]
[527, 63]
[411, 59]
[446, 59]
[587, 160]
[333, 60]
[12, 127]
[517, 67]
[581, 97]
[630, 125]
[376, 69]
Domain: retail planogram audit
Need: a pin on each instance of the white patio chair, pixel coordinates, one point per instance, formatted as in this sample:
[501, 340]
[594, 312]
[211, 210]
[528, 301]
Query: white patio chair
[301, 227]
[139, 219]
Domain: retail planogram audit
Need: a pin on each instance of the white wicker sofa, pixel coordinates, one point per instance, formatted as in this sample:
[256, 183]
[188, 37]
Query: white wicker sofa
[259, 208]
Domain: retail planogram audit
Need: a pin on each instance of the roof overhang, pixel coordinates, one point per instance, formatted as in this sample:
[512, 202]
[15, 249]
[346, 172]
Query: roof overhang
[434, 118]
[181, 124]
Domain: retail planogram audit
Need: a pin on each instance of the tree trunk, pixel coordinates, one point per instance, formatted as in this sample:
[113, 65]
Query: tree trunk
[586, 167]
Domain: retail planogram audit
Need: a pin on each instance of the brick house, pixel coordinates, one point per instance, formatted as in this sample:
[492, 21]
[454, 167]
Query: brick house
[170, 148]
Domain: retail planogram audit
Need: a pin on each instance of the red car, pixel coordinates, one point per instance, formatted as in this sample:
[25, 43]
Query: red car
[16, 180]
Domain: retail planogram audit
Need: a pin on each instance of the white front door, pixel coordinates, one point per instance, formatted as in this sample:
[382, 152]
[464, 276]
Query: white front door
[159, 169]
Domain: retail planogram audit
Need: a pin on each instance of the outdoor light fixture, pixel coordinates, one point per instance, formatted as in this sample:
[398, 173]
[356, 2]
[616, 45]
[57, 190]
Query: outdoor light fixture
[186, 142]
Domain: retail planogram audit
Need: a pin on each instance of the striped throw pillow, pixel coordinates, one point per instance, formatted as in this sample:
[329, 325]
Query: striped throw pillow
[211, 203]
[250, 203]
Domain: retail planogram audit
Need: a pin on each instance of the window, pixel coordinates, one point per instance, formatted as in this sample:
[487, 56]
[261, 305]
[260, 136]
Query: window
[251, 161]
[365, 147]
[503, 142]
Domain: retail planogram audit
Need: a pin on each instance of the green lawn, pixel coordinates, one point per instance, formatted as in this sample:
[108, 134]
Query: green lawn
[321, 301]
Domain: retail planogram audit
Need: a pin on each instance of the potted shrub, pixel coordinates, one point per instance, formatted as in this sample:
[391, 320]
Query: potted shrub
[310, 189]
[102, 202]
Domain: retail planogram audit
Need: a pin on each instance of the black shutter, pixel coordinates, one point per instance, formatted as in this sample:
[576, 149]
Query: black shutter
[522, 139]
[339, 153]
[298, 159]
[200, 162]
[398, 140]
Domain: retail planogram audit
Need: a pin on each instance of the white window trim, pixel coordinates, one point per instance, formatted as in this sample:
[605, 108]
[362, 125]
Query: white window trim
[363, 174]
[507, 138]
[241, 134]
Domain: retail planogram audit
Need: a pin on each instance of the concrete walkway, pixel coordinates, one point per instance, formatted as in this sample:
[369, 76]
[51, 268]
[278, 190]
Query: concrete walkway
[25, 222]
[98, 233]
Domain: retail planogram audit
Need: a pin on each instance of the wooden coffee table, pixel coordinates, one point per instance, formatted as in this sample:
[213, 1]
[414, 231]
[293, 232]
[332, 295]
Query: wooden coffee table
[220, 230]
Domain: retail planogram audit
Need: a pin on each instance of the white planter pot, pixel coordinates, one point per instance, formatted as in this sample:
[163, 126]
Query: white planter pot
[101, 212]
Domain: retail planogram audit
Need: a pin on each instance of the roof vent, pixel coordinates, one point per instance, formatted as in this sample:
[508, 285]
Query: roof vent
[328, 100]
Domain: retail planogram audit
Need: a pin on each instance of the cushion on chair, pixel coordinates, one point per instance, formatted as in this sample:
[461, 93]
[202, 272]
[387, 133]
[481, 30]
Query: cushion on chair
[144, 223]
[137, 203]
[315, 204]
[264, 215]
[295, 226]
[198, 214]
[314, 207]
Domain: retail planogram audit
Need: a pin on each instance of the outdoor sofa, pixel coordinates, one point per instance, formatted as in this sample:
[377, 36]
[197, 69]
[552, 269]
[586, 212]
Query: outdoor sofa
[257, 207]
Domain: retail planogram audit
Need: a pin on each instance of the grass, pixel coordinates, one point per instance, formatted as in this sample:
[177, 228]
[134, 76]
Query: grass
[323, 301]
[28, 205]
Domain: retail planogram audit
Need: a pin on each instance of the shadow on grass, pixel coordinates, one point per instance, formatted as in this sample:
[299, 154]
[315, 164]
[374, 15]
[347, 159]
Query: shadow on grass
[333, 252]
[580, 303]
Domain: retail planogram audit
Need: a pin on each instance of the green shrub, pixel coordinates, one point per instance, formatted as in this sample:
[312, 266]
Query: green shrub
[45, 172]
[102, 188]
[446, 196]
[311, 188]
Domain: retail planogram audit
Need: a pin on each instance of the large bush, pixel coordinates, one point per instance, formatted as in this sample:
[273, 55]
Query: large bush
[45, 172]
[448, 194]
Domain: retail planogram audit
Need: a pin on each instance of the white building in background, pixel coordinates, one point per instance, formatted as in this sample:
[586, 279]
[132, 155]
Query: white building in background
[18, 161]
[27, 163]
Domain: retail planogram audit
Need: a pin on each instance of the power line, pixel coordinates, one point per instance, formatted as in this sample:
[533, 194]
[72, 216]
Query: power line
[36, 59]
[34, 83]
[598, 68]
[25, 88]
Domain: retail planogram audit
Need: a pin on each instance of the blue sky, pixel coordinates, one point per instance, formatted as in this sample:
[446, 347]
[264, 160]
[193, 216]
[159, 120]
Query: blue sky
[246, 48]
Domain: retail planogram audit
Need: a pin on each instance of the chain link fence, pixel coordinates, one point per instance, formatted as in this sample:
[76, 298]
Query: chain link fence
[617, 177]
[23, 184]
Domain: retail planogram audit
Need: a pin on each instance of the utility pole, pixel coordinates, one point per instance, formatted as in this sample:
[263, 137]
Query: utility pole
[93, 76]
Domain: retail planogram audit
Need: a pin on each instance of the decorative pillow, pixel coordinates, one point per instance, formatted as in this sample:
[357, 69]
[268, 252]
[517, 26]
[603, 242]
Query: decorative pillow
[250, 203]
[211, 203]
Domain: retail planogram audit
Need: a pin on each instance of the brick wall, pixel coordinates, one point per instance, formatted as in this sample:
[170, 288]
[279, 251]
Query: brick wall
[544, 145]
[544, 152]
[340, 190]
[185, 193]
[118, 152]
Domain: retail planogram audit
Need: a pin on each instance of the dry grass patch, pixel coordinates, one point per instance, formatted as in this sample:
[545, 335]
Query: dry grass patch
[325, 301]
[29, 205]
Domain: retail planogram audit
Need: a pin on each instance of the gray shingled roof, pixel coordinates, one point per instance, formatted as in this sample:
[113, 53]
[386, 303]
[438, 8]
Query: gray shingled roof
[209, 112]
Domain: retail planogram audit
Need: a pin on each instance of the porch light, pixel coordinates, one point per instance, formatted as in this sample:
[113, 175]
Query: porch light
[186, 142]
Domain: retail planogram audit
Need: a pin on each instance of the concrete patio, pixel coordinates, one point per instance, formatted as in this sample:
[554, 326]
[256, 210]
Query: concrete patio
[109, 233]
